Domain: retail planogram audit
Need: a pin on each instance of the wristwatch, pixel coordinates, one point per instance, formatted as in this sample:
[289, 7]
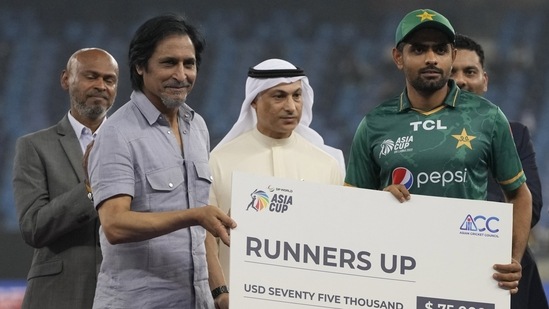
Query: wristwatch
[219, 290]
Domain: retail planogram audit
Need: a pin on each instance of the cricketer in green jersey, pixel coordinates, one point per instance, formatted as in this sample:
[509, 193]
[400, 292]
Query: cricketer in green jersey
[435, 139]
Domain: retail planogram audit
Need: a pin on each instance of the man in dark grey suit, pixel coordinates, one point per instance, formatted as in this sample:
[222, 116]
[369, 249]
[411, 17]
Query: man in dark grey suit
[469, 74]
[56, 217]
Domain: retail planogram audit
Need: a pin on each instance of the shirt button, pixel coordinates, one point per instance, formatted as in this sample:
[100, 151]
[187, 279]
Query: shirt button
[169, 132]
[170, 185]
[184, 131]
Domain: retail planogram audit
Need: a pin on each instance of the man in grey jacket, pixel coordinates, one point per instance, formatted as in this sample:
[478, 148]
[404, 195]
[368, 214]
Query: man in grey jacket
[56, 217]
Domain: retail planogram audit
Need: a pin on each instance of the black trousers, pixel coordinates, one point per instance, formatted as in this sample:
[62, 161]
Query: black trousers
[531, 294]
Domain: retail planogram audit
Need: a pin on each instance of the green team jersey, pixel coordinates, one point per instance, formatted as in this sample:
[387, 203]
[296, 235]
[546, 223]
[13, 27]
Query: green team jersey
[447, 152]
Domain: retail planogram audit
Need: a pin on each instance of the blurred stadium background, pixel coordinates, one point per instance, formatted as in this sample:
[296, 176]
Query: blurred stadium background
[344, 46]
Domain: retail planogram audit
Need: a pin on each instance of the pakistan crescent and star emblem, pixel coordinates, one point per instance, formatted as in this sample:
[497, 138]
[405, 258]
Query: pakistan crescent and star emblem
[464, 139]
[425, 16]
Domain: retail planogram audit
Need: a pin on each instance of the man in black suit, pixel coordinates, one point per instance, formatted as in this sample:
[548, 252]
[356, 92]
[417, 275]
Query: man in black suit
[469, 74]
[56, 217]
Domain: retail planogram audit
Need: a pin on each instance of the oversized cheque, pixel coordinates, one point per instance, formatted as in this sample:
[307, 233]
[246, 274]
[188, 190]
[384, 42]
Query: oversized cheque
[304, 245]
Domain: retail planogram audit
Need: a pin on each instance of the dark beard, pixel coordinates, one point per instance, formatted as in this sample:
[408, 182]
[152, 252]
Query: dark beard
[428, 86]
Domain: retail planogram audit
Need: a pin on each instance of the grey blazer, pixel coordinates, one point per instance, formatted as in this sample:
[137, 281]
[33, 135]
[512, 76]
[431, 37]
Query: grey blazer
[56, 218]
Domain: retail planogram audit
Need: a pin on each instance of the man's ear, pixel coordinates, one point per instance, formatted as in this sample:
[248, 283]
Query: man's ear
[64, 80]
[139, 69]
[397, 58]
[485, 81]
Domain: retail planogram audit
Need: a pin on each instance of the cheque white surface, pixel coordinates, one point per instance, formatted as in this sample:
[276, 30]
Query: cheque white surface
[304, 245]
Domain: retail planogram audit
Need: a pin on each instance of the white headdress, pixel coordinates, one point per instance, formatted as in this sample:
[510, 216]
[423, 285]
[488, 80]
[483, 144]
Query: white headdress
[268, 74]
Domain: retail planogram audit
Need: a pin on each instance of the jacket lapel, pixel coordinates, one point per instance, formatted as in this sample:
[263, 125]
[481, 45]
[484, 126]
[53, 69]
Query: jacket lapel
[71, 146]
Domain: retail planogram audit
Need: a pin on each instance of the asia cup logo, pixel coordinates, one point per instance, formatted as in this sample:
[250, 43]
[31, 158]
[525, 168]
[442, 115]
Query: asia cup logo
[402, 176]
[260, 200]
[386, 146]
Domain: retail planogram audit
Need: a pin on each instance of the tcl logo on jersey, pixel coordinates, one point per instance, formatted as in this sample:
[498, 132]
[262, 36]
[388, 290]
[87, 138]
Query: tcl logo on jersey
[402, 175]
[427, 125]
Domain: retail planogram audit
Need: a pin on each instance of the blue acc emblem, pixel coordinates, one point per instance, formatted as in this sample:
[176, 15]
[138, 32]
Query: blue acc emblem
[480, 224]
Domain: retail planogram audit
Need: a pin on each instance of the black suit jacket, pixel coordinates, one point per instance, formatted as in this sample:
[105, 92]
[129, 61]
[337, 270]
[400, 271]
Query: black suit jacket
[531, 294]
[56, 218]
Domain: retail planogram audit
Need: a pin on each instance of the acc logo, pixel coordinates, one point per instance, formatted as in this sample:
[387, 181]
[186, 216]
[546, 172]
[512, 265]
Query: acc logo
[279, 202]
[480, 224]
[402, 176]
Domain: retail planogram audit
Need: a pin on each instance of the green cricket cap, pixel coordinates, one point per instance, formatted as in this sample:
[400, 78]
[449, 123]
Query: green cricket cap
[421, 19]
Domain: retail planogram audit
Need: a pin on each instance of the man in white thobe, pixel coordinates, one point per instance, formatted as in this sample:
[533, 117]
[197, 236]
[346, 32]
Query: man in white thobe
[272, 137]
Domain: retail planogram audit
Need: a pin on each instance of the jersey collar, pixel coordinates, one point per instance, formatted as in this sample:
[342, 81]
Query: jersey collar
[450, 100]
